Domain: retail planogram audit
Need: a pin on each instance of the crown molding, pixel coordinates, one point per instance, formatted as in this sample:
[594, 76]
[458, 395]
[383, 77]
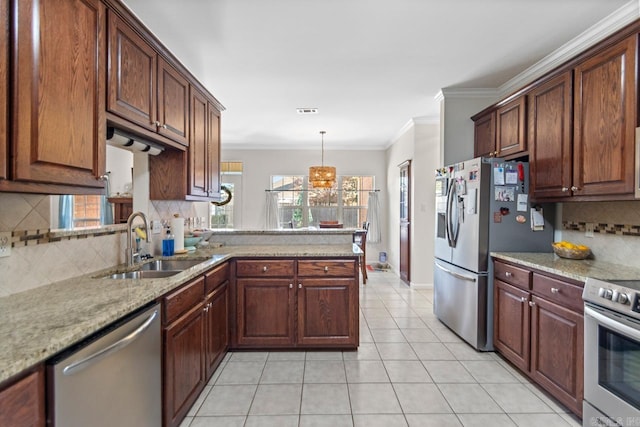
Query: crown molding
[604, 28]
[467, 93]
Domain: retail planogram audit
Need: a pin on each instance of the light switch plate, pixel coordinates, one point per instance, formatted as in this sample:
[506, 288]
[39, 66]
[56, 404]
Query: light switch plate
[5, 243]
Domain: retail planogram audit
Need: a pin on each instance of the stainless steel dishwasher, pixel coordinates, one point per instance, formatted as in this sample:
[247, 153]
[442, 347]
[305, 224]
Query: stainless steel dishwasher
[111, 379]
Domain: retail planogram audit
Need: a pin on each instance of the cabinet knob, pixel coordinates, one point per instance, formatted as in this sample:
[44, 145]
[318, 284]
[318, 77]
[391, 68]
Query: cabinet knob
[508, 273]
[495, 153]
[157, 123]
[523, 299]
[265, 268]
[565, 189]
[326, 268]
[164, 126]
[290, 285]
[574, 188]
[299, 285]
[555, 290]
[531, 303]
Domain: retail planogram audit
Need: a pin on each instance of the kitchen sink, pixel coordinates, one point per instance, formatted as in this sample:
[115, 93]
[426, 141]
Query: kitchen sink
[169, 265]
[143, 274]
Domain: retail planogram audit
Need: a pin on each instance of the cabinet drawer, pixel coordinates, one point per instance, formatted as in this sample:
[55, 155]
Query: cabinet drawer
[216, 277]
[326, 268]
[558, 291]
[264, 268]
[183, 299]
[516, 276]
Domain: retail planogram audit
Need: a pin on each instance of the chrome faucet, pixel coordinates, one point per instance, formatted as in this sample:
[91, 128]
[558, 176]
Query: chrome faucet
[130, 255]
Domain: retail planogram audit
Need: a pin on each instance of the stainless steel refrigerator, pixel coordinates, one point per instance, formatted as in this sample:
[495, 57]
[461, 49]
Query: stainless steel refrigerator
[482, 206]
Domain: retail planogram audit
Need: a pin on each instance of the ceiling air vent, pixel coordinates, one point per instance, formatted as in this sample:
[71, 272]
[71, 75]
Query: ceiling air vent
[307, 110]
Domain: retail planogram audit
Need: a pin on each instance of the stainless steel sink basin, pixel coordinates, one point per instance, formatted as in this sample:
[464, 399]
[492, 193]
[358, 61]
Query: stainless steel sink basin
[169, 265]
[143, 274]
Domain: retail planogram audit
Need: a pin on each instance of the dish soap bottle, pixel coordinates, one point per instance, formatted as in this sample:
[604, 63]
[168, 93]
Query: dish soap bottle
[168, 247]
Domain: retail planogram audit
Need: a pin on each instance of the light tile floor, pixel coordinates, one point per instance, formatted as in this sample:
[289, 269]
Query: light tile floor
[410, 370]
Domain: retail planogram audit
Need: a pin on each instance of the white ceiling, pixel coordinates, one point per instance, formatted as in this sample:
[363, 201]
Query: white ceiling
[369, 66]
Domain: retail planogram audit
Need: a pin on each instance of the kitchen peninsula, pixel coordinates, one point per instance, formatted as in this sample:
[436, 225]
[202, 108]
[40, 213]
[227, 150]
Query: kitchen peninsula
[318, 282]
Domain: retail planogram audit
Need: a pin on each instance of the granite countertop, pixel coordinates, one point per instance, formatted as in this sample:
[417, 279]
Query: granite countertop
[37, 324]
[569, 268]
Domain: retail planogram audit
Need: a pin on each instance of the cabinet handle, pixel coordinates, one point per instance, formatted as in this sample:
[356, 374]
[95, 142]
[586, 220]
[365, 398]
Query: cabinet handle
[265, 268]
[531, 303]
[326, 268]
[565, 189]
[555, 290]
[508, 273]
[299, 285]
[574, 188]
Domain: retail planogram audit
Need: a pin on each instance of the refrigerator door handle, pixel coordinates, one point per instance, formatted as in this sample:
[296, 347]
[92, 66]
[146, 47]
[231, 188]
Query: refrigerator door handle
[453, 224]
[456, 275]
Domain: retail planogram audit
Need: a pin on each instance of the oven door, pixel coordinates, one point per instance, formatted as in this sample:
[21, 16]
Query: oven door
[612, 364]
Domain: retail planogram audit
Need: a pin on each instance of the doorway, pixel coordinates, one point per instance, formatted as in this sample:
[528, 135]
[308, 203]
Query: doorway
[405, 221]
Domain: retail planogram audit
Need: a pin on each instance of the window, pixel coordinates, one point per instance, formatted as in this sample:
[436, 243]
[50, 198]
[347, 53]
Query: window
[223, 216]
[86, 211]
[302, 206]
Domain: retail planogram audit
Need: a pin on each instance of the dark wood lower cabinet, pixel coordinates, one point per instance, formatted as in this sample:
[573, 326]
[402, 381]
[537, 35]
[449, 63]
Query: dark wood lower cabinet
[539, 327]
[217, 327]
[511, 323]
[557, 351]
[22, 402]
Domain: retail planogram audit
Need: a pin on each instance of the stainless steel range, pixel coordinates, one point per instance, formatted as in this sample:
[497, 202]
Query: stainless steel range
[612, 353]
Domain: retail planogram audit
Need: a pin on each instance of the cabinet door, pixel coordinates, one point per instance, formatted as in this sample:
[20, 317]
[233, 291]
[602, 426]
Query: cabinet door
[59, 118]
[265, 312]
[213, 166]
[22, 403]
[173, 103]
[557, 350]
[132, 75]
[184, 368]
[550, 120]
[510, 128]
[485, 135]
[511, 323]
[327, 312]
[605, 121]
[217, 329]
[4, 84]
[198, 147]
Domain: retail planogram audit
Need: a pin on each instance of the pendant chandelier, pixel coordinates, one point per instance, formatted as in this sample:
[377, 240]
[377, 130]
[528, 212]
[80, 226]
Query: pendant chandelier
[322, 176]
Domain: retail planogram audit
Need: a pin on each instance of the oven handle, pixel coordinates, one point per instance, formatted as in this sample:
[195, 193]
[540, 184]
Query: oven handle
[612, 324]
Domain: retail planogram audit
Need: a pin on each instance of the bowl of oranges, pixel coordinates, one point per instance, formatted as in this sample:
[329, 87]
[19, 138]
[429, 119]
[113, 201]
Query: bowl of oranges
[570, 250]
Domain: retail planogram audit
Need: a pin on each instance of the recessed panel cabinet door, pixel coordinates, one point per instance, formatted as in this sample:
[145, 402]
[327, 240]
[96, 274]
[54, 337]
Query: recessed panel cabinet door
[173, 103]
[604, 121]
[59, 119]
[511, 323]
[132, 75]
[549, 119]
[198, 147]
[213, 165]
[485, 135]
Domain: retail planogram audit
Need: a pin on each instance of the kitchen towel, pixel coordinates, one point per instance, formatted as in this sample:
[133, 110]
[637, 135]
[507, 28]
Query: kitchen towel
[177, 229]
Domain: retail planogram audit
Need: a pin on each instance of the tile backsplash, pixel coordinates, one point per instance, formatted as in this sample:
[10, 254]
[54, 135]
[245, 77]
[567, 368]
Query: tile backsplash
[616, 229]
[36, 260]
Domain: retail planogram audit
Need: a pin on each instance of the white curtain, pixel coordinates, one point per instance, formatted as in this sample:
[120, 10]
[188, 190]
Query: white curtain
[271, 220]
[373, 218]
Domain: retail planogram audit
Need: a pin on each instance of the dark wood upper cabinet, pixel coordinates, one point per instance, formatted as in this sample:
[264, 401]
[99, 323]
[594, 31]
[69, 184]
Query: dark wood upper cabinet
[144, 88]
[549, 118]
[4, 84]
[58, 117]
[132, 75]
[605, 118]
[199, 147]
[510, 128]
[485, 135]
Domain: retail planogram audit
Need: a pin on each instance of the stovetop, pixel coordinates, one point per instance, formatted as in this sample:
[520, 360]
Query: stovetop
[621, 296]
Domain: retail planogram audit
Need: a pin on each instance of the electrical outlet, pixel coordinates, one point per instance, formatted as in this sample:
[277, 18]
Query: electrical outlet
[589, 230]
[5, 243]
